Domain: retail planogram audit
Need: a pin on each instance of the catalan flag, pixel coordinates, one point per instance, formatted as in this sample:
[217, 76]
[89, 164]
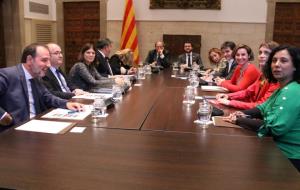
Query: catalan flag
[129, 34]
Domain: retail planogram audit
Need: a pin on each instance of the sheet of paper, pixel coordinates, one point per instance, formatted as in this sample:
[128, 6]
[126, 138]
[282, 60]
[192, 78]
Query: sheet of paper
[77, 129]
[214, 88]
[198, 98]
[138, 84]
[69, 114]
[42, 126]
[218, 121]
[183, 78]
[93, 96]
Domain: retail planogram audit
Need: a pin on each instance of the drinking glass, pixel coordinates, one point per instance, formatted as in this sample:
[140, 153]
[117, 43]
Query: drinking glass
[141, 73]
[117, 92]
[195, 67]
[127, 80]
[99, 108]
[204, 113]
[194, 81]
[148, 69]
[175, 66]
[189, 95]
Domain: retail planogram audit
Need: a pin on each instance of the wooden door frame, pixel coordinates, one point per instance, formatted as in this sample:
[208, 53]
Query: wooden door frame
[60, 19]
[14, 35]
[271, 6]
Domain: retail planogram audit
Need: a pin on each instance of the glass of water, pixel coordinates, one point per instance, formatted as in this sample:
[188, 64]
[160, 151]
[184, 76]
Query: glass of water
[189, 95]
[204, 113]
[175, 66]
[99, 108]
[194, 81]
[117, 92]
[141, 73]
[147, 69]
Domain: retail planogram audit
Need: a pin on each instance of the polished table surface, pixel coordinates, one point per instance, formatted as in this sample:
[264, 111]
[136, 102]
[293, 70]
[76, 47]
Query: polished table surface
[148, 141]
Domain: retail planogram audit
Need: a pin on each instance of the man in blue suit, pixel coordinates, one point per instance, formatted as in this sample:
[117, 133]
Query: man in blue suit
[22, 95]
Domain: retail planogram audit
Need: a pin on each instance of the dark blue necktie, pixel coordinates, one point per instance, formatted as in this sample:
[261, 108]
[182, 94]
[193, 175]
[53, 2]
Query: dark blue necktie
[61, 81]
[36, 96]
[108, 66]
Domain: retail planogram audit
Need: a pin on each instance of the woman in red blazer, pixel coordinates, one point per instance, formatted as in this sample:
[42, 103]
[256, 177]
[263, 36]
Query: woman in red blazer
[256, 93]
[245, 73]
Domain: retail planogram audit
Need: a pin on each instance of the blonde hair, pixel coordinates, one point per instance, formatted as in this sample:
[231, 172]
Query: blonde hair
[217, 51]
[126, 55]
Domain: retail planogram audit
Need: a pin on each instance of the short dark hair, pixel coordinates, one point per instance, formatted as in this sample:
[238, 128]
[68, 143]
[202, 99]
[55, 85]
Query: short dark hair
[102, 43]
[84, 48]
[188, 42]
[31, 50]
[247, 48]
[228, 44]
[295, 55]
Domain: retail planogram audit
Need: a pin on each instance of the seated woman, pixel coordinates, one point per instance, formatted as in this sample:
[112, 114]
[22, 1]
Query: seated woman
[84, 75]
[281, 112]
[245, 73]
[121, 62]
[218, 62]
[256, 93]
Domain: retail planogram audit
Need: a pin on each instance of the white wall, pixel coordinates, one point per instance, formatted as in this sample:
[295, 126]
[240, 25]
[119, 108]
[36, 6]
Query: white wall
[248, 11]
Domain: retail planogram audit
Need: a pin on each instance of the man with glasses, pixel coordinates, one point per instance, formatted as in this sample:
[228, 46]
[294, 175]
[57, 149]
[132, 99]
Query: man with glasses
[22, 96]
[55, 80]
[158, 56]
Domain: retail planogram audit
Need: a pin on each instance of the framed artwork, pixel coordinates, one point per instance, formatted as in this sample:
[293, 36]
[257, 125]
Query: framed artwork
[40, 9]
[185, 4]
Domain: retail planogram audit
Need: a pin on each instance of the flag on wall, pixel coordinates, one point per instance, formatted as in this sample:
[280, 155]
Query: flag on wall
[129, 34]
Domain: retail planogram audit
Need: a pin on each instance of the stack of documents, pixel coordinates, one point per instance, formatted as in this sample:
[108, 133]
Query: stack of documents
[93, 96]
[60, 113]
[42, 126]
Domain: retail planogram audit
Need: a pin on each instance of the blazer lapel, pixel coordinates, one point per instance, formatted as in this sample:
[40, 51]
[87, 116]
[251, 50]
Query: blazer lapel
[52, 78]
[23, 83]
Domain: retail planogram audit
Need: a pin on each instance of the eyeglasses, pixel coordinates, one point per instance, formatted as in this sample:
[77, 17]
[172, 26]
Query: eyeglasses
[57, 53]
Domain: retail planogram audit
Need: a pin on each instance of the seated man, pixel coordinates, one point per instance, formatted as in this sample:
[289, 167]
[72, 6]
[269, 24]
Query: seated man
[22, 95]
[189, 58]
[158, 56]
[104, 47]
[55, 80]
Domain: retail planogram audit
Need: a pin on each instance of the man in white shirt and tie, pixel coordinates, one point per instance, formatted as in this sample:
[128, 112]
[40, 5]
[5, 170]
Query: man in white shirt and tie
[55, 80]
[189, 59]
[22, 95]
[104, 47]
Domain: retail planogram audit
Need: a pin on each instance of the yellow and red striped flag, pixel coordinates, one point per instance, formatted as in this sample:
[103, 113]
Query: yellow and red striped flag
[129, 35]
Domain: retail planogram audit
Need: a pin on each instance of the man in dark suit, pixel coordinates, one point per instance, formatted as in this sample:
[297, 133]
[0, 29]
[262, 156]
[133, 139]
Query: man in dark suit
[189, 58]
[158, 56]
[22, 95]
[55, 80]
[104, 47]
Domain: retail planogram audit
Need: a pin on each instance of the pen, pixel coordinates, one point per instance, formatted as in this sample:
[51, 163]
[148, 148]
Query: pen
[72, 111]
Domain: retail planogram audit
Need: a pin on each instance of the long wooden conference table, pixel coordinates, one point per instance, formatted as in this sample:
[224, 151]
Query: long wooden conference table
[148, 141]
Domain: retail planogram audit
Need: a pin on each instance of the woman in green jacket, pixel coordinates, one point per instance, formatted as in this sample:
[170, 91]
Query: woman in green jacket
[280, 114]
